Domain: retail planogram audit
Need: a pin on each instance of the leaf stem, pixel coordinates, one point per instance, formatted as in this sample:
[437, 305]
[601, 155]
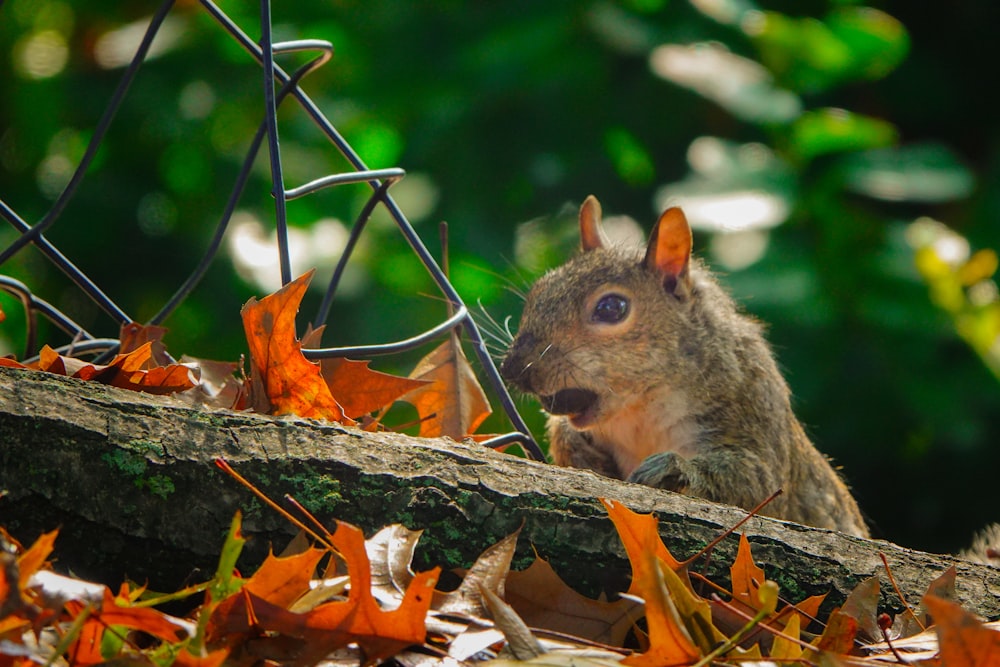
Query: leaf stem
[731, 643]
[729, 531]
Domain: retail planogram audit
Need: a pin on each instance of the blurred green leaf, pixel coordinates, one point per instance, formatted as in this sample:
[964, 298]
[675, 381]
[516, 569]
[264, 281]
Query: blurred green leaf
[813, 55]
[928, 173]
[802, 52]
[826, 131]
[631, 159]
[878, 42]
[378, 144]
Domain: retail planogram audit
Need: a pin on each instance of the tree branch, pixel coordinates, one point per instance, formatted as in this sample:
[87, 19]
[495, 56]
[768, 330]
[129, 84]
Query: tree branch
[129, 479]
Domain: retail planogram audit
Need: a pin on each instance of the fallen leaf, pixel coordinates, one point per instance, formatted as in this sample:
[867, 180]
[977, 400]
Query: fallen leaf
[669, 642]
[379, 633]
[127, 371]
[543, 600]
[283, 381]
[786, 649]
[963, 639]
[133, 335]
[390, 552]
[694, 611]
[34, 557]
[489, 572]
[944, 585]
[838, 636]
[143, 619]
[520, 642]
[453, 403]
[746, 576]
[361, 390]
[553, 659]
[281, 580]
[636, 531]
[862, 605]
[332, 625]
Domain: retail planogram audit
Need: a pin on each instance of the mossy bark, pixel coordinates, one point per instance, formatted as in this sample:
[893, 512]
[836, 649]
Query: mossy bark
[129, 480]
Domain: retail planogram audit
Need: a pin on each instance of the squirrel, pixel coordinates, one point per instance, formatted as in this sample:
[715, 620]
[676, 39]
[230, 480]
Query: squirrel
[650, 373]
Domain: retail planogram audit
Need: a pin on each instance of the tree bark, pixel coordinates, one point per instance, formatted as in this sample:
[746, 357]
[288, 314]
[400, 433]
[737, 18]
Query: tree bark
[129, 480]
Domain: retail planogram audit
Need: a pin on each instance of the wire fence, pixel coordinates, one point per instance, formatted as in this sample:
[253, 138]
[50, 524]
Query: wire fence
[278, 87]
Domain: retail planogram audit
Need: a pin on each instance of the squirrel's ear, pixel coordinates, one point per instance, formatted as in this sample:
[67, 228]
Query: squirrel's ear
[669, 251]
[591, 234]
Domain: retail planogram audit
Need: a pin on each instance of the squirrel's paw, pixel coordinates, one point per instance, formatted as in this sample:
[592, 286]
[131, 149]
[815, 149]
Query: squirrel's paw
[665, 470]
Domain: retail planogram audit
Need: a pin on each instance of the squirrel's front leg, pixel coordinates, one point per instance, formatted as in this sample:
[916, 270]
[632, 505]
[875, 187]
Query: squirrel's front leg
[665, 470]
[731, 475]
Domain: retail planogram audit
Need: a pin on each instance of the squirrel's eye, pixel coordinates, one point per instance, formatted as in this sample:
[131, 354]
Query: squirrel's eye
[610, 308]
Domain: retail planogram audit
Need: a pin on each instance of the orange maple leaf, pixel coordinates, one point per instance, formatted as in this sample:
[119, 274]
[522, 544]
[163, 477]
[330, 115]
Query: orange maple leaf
[86, 647]
[331, 625]
[34, 557]
[283, 381]
[379, 633]
[361, 390]
[669, 642]
[636, 532]
[282, 580]
[276, 584]
[452, 404]
[746, 576]
[962, 638]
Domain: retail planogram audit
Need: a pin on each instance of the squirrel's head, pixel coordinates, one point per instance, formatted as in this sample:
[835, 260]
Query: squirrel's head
[608, 325]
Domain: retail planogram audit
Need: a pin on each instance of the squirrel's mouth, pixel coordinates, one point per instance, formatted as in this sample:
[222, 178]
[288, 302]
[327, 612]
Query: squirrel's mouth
[577, 404]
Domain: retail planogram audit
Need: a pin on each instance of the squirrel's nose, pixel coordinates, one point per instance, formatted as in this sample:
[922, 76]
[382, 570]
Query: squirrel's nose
[513, 366]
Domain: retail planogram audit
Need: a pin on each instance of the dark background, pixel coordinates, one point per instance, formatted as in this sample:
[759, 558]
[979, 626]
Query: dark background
[510, 113]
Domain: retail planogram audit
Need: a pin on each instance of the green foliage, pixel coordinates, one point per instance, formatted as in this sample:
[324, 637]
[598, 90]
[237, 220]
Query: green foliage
[805, 141]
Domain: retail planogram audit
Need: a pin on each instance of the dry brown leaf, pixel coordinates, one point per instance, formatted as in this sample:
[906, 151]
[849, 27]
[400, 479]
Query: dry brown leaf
[453, 404]
[520, 642]
[489, 572]
[862, 605]
[134, 371]
[133, 335]
[543, 600]
[390, 551]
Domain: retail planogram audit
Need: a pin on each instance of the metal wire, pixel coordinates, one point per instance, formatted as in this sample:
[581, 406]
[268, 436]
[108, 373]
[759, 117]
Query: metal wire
[278, 86]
